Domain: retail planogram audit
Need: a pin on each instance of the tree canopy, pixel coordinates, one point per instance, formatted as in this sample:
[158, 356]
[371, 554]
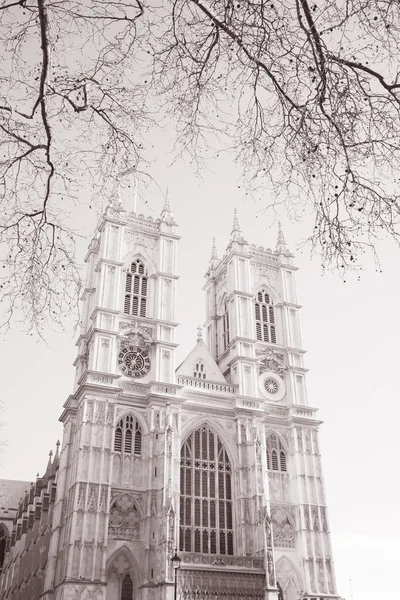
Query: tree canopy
[307, 96]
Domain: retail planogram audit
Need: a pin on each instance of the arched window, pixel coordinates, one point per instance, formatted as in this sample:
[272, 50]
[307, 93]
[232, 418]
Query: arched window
[199, 370]
[135, 302]
[127, 588]
[276, 455]
[206, 495]
[225, 326]
[128, 436]
[265, 317]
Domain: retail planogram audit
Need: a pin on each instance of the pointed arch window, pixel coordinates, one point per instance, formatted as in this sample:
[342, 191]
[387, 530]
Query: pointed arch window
[206, 524]
[265, 317]
[276, 455]
[225, 326]
[128, 436]
[127, 588]
[135, 301]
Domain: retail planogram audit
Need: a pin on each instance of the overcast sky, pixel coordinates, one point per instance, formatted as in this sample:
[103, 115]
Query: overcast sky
[350, 329]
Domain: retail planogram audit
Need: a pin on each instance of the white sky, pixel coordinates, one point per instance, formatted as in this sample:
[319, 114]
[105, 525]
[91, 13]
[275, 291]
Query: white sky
[349, 329]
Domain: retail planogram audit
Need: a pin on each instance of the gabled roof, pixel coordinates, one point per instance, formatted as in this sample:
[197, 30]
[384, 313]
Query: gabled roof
[200, 353]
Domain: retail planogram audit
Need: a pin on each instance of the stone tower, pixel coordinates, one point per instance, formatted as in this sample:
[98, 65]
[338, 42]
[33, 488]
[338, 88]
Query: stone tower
[217, 458]
[114, 518]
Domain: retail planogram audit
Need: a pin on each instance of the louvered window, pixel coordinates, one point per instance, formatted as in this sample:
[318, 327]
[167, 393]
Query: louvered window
[135, 301]
[225, 327]
[128, 436]
[206, 523]
[276, 455]
[265, 318]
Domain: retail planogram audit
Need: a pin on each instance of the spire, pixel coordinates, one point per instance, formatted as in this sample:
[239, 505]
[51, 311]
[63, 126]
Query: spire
[199, 334]
[236, 226]
[166, 213]
[57, 454]
[281, 245]
[167, 202]
[214, 251]
[236, 233]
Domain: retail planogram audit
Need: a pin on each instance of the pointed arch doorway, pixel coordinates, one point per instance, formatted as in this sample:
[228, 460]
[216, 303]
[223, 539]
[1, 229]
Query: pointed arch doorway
[121, 581]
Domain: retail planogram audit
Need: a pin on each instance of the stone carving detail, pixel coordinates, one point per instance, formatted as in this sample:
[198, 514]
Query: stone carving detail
[92, 499]
[110, 414]
[100, 412]
[283, 530]
[235, 586]
[103, 379]
[81, 496]
[137, 334]
[261, 271]
[287, 578]
[271, 568]
[277, 412]
[89, 411]
[124, 517]
[269, 360]
[121, 564]
[324, 522]
[299, 439]
[169, 440]
[315, 520]
[306, 516]
[246, 511]
[258, 451]
[133, 389]
[153, 505]
[103, 499]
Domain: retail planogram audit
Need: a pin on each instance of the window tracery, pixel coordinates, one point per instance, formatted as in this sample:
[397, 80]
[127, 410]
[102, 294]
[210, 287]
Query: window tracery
[265, 317]
[128, 436]
[206, 524]
[283, 530]
[276, 455]
[135, 301]
[124, 517]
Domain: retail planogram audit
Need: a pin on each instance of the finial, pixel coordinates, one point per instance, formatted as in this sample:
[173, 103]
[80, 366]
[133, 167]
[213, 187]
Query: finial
[167, 202]
[236, 226]
[57, 449]
[199, 334]
[281, 243]
[214, 251]
[236, 233]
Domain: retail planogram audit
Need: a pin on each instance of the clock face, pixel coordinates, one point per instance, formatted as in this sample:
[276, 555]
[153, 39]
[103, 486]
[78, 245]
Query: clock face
[134, 361]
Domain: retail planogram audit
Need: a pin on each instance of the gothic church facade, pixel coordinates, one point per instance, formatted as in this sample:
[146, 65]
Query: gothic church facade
[218, 458]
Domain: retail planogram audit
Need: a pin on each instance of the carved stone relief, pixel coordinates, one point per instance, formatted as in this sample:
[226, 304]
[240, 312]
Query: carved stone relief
[269, 360]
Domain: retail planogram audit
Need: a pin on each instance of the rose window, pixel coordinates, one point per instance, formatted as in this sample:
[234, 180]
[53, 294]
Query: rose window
[271, 386]
[124, 517]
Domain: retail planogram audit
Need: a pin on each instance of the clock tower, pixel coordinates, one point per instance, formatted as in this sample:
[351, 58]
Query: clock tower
[115, 482]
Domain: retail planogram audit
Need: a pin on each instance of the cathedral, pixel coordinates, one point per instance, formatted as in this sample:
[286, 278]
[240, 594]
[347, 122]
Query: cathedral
[213, 463]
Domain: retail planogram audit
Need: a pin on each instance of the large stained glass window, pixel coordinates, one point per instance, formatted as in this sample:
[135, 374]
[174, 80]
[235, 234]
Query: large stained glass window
[206, 495]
